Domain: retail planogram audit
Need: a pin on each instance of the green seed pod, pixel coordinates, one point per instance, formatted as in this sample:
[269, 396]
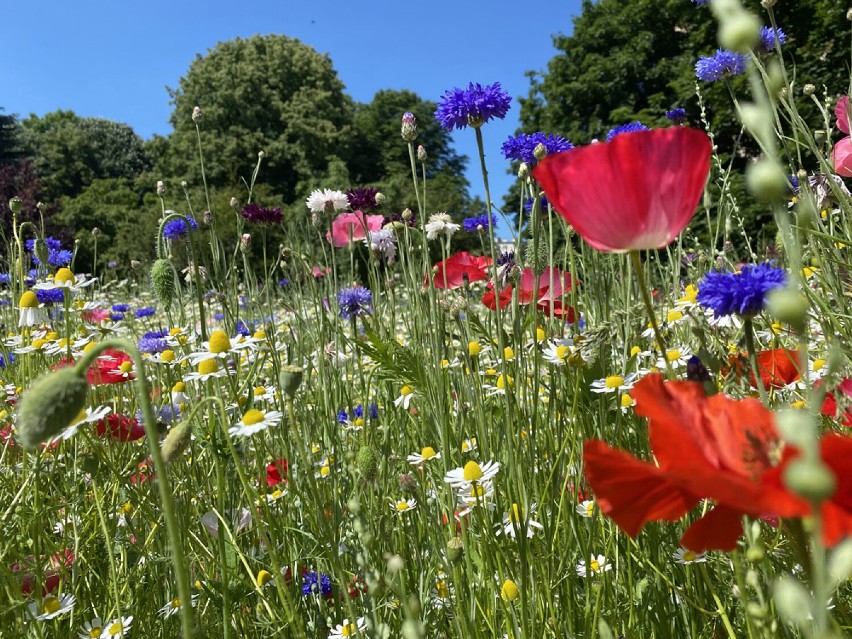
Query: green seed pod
[176, 441]
[812, 480]
[455, 549]
[290, 379]
[789, 306]
[42, 252]
[49, 405]
[163, 281]
[15, 205]
[536, 259]
[368, 463]
[766, 180]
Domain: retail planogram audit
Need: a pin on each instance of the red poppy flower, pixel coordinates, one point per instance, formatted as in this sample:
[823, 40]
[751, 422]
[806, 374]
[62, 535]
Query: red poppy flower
[276, 472]
[120, 427]
[351, 227]
[706, 447]
[546, 298]
[638, 191]
[829, 404]
[146, 472]
[452, 272]
[52, 570]
[778, 367]
[112, 367]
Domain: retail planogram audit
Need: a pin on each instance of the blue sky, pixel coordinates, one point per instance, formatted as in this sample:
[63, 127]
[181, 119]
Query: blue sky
[114, 58]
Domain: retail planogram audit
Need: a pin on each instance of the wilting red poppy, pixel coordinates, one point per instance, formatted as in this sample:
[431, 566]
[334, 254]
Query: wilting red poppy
[349, 227]
[453, 271]
[545, 297]
[706, 447]
[829, 404]
[638, 191]
[120, 427]
[778, 367]
[276, 472]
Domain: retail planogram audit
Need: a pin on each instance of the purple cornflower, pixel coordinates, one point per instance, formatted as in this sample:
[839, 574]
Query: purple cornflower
[521, 148]
[147, 311]
[479, 223]
[121, 308]
[769, 37]
[313, 583]
[116, 317]
[362, 199]
[283, 282]
[625, 128]
[176, 228]
[474, 106]
[721, 64]
[150, 344]
[528, 205]
[257, 215]
[51, 295]
[677, 115]
[743, 293]
[56, 255]
[354, 302]
[112, 264]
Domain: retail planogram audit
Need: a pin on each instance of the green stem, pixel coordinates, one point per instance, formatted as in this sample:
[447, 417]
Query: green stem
[752, 357]
[649, 306]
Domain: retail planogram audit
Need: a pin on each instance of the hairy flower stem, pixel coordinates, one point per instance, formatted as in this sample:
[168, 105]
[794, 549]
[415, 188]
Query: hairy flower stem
[636, 260]
[752, 358]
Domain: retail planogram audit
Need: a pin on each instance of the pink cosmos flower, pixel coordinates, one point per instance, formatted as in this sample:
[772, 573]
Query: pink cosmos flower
[842, 153]
[351, 227]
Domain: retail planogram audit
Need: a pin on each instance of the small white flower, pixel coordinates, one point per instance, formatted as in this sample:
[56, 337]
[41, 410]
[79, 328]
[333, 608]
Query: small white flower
[586, 508]
[464, 476]
[613, 383]
[117, 627]
[405, 395]
[321, 200]
[403, 505]
[426, 454]
[51, 607]
[173, 607]
[383, 242]
[516, 520]
[595, 566]
[347, 629]
[676, 357]
[254, 421]
[686, 557]
[93, 629]
[440, 224]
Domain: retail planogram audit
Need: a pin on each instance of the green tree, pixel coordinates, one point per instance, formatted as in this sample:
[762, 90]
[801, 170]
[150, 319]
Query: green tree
[70, 151]
[11, 147]
[269, 93]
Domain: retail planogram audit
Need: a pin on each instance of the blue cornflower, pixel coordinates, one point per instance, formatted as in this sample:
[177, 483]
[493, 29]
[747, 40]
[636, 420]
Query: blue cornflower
[521, 148]
[176, 228]
[743, 293]
[477, 222]
[473, 106]
[243, 328]
[700, 2]
[116, 317]
[677, 115]
[283, 282]
[166, 414]
[769, 38]
[312, 583]
[625, 128]
[354, 302]
[163, 332]
[720, 64]
[342, 416]
[218, 316]
[5, 278]
[150, 344]
[147, 311]
[52, 244]
[50, 295]
[529, 203]
[3, 360]
[121, 308]
[59, 257]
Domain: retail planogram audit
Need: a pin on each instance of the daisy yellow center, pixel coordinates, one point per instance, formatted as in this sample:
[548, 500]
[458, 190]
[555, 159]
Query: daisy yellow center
[590, 508]
[260, 390]
[626, 401]
[504, 382]
[28, 300]
[443, 591]
[477, 490]
[348, 630]
[467, 445]
[175, 331]
[539, 334]
[208, 366]
[51, 605]
[359, 421]
[776, 327]
[406, 390]
[689, 555]
[614, 381]
[39, 343]
[175, 603]
[472, 471]
[259, 334]
[79, 417]
[515, 514]
[428, 452]
[52, 335]
[445, 363]
[219, 342]
[594, 565]
[799, 403]
[635, 351]
[126, 508]
[95, 632]
[562, 351]
[115, 628]
[263, 577]
[673, 355]
[673, 316]
[402, 505]
[63, 276]
[508, 353]
[179, 387]
[324, 471]
[126, 367]
[818, 364]
[474, 349]
[253, 416]
[167, 356]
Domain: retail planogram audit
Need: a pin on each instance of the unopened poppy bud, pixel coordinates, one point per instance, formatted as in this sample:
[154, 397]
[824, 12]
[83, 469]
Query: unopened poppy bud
[261, 154]
[50, 404]
[766, 180]
[197, 115]
[767, 4]
[455, 549]
[406, 214]
[163, 281]
[134, 264]
[809, 89]
[789, 306]
[290, 379]
[161, 188]
[245, 242]
[41, 250]
[422, 156]
[409, 127]
[41, 206]
[96, 231]
[811, 479]
[380, 199]
[741, 32]
[367, 462]
[176, 441]
[15, 205]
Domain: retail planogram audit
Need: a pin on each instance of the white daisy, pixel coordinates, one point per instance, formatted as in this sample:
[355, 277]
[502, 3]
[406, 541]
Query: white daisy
[86, 416]
[559, 353]
[586, 508]
[254, 421]
[347, 629]
[686, 557]
[516, 520]
[464, 476]
[117, 627]
[173, 607]
[401, 506]
[207, 369]
[676, 357]
[405, 395]
[613, 383]
[595, 566]
[93, 629]
[51, 606]
[478, 494]
[426, 454]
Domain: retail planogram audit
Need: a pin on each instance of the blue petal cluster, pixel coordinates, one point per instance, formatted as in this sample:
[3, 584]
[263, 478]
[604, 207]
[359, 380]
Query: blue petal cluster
[677, 115]
[528, 205]
[354, 302]
[625, 128]
[316, 584]
[743, 293]
[176, 228]
[144, 312]
[473, 224]
[521, 148]
[50, 296]
[719, 65]
[474, 106]
[149, 343]
[768, 38]
[56, 255]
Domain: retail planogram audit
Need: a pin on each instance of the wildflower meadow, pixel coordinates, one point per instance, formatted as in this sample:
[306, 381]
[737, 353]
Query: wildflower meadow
[612, 412]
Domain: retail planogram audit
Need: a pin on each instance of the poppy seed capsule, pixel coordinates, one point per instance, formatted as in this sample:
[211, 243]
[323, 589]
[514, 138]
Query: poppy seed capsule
[176, 441]
[290, 379]
[163, 281]
[49, 405]
[15, 205]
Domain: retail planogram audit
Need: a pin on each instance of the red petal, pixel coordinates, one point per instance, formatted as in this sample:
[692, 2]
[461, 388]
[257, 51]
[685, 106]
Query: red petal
[719, 529]
[841, 110]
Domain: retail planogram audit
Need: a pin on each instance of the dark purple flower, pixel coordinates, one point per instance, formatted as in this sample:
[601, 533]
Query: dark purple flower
[478, 223]
[474, 106]
[743, 293]
[521, 148]
[530, 201]
[362, 199]
[257, 215]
